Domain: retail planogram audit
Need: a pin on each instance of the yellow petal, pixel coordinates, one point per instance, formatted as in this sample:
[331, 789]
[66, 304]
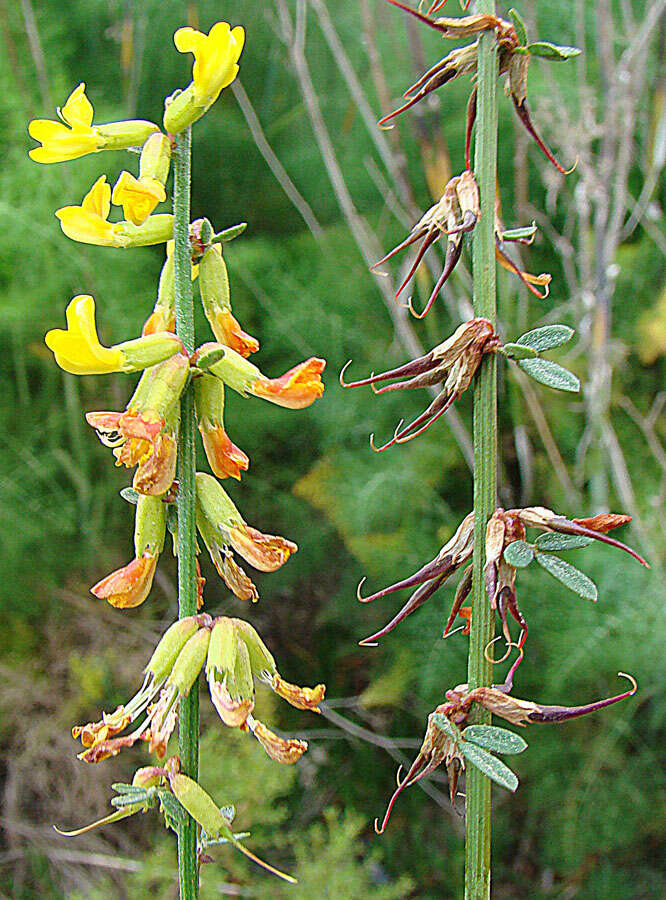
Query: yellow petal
[78, 111]
[87, 228]
[188, 40]
[98, 198]
[77, 349]
[59, 142]
[138, 197]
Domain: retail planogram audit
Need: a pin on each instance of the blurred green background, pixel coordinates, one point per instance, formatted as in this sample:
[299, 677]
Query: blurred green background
[589, 817]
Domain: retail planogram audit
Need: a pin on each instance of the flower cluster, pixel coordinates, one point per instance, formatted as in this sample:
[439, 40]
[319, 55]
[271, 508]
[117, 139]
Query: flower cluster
[144, 436]
[233, 656]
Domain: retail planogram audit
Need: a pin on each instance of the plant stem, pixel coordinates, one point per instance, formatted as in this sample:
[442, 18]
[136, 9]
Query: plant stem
[188, 732]
[477, 825]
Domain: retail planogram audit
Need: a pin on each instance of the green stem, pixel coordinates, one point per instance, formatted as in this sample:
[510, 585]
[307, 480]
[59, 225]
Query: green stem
[188, 732]
[477, 824]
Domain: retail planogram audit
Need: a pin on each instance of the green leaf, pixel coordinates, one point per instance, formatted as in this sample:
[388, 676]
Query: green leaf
[519, 554]
[547, 337]
[517, 351]
[500, 740]
[129, 494]
[491, 766]
[519, 25]
[569, 575]
[551, 541]
[445, 725]
[229, 233]
[526, 233]
[550, 374]
[120, 787]
[546, 50]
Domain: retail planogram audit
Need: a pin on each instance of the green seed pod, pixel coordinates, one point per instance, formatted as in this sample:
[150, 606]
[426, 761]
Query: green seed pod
[200, 806]
[173, 640]
[149, 525]
[191, 658]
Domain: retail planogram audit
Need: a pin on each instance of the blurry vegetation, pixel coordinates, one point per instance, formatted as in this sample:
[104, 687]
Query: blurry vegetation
[589, 817]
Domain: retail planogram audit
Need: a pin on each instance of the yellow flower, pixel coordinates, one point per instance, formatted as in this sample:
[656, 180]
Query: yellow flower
[88, 223]
[216, 58]
[61, 142]
[137, 196]
[78, 136]
[77, 349]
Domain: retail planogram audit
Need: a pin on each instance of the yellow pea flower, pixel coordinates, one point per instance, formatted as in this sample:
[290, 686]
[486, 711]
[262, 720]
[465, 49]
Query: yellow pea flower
[77, 349]
[216, 56]
[78, 136]
[137, 196]
[88, 223]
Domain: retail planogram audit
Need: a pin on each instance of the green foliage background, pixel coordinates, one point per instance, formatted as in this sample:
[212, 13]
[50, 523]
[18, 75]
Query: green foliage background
[589, 818]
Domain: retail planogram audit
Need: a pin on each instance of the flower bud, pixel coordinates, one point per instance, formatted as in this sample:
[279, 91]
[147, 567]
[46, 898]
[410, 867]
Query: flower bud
[172, 642]
[189, 662]
[156, 158]
[214, 286]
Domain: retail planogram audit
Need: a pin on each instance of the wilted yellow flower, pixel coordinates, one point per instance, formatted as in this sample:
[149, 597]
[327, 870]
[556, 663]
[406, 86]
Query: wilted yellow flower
[78, 136]
[77, 349]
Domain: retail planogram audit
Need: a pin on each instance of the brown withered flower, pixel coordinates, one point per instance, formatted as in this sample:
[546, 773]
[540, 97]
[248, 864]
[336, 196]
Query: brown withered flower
[452, 364]
[456, 213]
[450, 559]
[448, 746]
[513, 61]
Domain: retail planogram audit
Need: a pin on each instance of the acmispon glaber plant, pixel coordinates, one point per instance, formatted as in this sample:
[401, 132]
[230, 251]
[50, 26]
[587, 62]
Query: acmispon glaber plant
[179, 385]
[490, 545]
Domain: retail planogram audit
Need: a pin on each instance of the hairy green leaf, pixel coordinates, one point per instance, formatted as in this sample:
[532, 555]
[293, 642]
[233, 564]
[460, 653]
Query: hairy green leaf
[445, 725]
[500, 740]
[519, 554]
[494, 768]
[547, 337]
[546, 50]
[551, 374]
[549, 540]
[517, 351]
[569, 575]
